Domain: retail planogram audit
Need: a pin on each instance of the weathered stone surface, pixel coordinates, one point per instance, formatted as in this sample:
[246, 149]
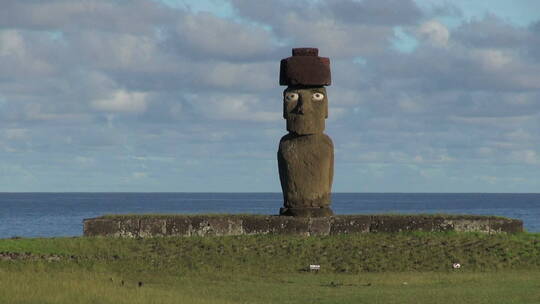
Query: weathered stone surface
[347, 224]
[305, 68]
[129, 227]
[255, 224]
[306, 212]
[152, 227]
[441, 224]
[391, 223]
[288, 225]
[178, 226]
[469, 223]
[236, 226]
[305, 52]
[306, 171]
[497, 225]
[304, 112]
[319, 226]
[220, 225]
[306, 154]
[100, 227]
[199, 225]
[420, 223]
[202, 225]
[210, 225]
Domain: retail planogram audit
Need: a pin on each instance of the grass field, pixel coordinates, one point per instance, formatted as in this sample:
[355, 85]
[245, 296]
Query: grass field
[363, 268]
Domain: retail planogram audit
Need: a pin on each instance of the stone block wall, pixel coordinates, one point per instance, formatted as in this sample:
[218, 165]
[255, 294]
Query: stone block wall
[216, 225]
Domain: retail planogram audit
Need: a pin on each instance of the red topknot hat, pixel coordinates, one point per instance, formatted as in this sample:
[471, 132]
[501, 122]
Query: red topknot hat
[305, 67]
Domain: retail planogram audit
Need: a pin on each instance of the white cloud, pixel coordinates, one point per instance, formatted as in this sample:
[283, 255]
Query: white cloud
[122, 101]
[489, 179]
[240, 107]
[37, 112]
[139, 175]
[205, 87]
[247, 76]
[24, 55]
[69, 15]
[525, 156]
[485, 151]
[492, 59]
[122, 50]
[435, 32]
[410, 104]
[83, 160]
[208, 36]
[519, 135]
[15, 134]
[337, 40]
[11, 43]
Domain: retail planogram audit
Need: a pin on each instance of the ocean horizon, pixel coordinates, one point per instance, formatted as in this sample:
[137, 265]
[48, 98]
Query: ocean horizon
[60, 214]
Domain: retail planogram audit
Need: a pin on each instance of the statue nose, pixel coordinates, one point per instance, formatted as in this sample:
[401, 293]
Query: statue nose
[300, 109]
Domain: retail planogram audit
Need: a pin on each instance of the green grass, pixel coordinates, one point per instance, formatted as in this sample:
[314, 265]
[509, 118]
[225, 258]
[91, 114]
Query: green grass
[273, 253]
[44, 285]
[361, 268]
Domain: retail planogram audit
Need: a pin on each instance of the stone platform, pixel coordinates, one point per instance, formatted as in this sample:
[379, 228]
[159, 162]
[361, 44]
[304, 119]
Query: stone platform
[229, 224]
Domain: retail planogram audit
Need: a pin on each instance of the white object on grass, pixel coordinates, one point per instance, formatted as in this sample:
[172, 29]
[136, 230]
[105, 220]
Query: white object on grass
[456, 265]
[314, 267]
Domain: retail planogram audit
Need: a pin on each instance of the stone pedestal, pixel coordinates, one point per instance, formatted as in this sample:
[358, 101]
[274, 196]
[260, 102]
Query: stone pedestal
[135, 226]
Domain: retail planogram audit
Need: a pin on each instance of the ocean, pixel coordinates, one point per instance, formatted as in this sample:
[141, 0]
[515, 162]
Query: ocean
[61, 214]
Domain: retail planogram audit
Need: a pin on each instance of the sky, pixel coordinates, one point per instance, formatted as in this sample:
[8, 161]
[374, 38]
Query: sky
[184, 96]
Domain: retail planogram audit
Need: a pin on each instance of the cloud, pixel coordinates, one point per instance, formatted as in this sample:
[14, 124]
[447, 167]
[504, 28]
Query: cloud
[73, 16]
[124, 51]
[15, 134]
[525, 156]
[84, 83]
[337, 41]
[457, 67]
[122, 101]
[492, 59]
[206, 37]
[492, 32]
[85, 161]
[11, 43]
[435, 32]
[139, 175]
[23, 56]
[377, 12]
[239, 107]
[251, 77]
[373, 12]
[340, 28]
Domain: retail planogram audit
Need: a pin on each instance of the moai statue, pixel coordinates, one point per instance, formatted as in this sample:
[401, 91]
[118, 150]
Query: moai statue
[306, 154]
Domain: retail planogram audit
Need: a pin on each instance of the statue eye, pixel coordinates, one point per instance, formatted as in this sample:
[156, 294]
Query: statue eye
[291, 97]
[318, 96]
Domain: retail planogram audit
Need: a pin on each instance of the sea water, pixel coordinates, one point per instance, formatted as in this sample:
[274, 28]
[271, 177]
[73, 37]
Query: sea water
[61, 214]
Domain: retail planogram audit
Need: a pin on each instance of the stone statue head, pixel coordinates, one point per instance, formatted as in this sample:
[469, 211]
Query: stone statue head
[305, 104]
[305, 109]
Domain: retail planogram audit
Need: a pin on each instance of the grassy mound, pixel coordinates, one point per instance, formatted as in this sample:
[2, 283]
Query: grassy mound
[353, 253]
[361, 268]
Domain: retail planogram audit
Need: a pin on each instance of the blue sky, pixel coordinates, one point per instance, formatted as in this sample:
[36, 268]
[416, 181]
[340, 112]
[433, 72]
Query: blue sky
[147, 95]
